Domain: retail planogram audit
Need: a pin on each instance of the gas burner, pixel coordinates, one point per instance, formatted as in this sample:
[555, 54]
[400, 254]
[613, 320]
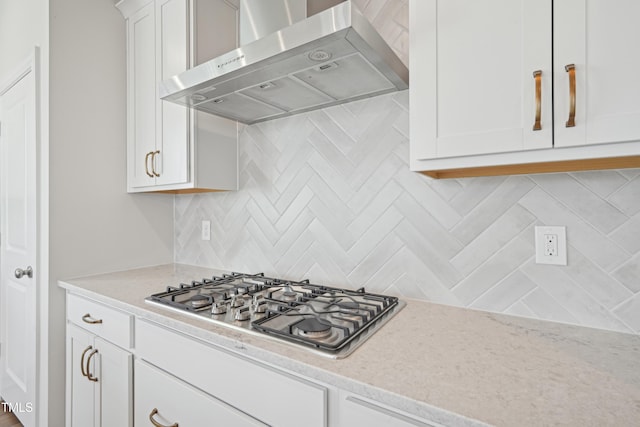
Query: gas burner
[348, 306]
[289, 294]
[199, 301]
[329, 321]
[313, 328]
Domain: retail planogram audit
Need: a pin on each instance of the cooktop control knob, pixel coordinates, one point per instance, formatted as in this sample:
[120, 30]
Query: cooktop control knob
[242, 314]
[236, 302]
[219, 308]
[260, 306]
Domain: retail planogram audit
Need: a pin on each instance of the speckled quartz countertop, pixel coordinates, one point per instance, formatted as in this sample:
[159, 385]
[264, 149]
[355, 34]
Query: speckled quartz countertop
[432, 360]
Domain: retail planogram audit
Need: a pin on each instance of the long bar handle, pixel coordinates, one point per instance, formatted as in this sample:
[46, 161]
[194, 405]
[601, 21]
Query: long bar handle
[89, 376]
[537, 75]
[571, 69]
[146, 164]
[88, 319]
[84, 374]
[157, 424]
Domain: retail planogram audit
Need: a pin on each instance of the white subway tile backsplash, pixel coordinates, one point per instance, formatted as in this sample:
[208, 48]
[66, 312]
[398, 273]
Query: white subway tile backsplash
[503, 262]
[430, 201]
[474, 191]
[545, 307]
[587, 204]
[328, 196]
[582, 306]
[492, 239]
[629, 173]
[583, 236]
[488, 210]
[627, 199]
[506, 293]
[629, 312]
[429, 254]
[629, 274]
[521, 309]
[605, 289]
[628, 235]
[603, 183]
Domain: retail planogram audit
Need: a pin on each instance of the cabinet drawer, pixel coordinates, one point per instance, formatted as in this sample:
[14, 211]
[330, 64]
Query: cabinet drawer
[270, 395]
[109, 323]
[357, 411]
[177, 402]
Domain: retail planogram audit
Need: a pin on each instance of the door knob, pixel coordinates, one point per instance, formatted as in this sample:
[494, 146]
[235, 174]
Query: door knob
[20, 272]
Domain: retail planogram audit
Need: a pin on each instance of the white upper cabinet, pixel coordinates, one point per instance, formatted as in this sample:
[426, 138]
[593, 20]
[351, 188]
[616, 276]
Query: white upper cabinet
[484, 95]
[473, 89]
[171, 148]
[601, 39]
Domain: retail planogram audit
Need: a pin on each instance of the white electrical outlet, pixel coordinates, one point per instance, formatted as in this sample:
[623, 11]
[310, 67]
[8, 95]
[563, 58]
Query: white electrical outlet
[206, 230]
[551, 245]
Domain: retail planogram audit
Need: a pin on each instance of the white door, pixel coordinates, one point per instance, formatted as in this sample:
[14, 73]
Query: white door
[473, 90]
[600, 38]
[18, 260]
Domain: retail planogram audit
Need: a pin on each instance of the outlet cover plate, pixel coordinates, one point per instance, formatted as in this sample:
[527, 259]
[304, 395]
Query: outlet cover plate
[206, 230]
[561, 241]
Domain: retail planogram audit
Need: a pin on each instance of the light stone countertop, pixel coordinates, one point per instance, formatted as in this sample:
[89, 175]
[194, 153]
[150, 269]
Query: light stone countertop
[432, 360]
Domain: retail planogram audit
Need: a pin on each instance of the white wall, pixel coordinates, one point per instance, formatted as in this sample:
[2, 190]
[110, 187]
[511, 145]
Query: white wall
[94, 225]
[89, 223]
[23, 24]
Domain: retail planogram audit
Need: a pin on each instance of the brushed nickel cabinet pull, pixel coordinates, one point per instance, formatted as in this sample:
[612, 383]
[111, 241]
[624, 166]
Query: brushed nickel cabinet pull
[571, 69]
[84, 374]
[88, 319]
[537, 75]
[157, 424]
[153, 162]
[89, 376]
[146, 164]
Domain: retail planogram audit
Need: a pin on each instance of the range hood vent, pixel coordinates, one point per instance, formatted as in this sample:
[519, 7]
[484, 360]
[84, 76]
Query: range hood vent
[332, 57]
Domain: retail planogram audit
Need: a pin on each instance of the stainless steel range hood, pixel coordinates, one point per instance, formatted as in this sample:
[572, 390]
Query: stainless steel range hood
[332, 57]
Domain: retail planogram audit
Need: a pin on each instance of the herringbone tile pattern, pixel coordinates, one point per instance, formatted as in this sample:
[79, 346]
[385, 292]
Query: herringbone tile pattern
[328, 196]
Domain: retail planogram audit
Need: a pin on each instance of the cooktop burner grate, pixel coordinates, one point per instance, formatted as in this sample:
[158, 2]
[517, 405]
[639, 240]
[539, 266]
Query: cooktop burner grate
[328, 320]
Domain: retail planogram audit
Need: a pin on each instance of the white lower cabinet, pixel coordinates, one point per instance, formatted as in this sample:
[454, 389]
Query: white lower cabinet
[163, 400]
[355, 410]
[267, 394]
[180, 380]
[99, 376]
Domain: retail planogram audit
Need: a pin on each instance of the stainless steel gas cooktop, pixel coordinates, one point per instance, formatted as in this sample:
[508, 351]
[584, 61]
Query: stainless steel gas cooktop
[330, 321]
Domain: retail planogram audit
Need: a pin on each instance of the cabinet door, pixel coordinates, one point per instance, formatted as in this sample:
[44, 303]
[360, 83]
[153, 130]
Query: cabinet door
[355, 411]
[80, 390]
[601, 38]
[168, 400]
[473, 89]
[172, 124]
[114, 385]
[142, 96]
